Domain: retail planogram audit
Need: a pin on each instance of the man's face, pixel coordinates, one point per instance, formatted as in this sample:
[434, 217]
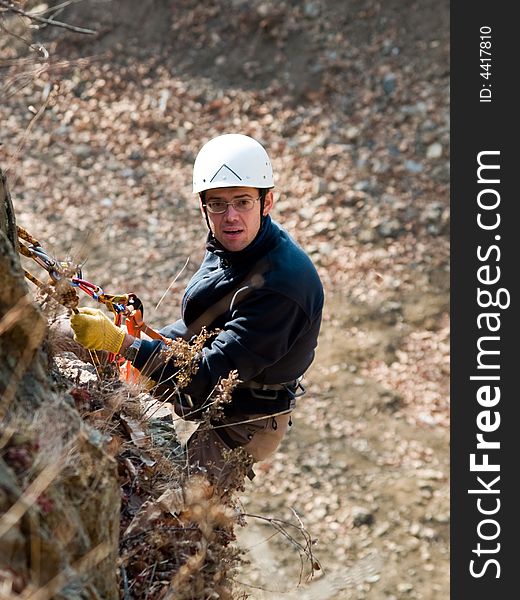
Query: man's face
[233, 229]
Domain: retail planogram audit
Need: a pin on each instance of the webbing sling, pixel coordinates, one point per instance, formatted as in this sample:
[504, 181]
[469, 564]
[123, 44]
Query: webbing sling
[253, 280]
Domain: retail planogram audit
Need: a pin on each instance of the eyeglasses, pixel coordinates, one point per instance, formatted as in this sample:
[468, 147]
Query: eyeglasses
[218, 207]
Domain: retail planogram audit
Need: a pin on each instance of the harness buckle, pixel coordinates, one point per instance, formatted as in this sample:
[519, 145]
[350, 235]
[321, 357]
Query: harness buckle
[264, 394]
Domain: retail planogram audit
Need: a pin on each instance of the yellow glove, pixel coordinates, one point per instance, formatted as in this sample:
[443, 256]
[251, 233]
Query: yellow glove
[95, 331]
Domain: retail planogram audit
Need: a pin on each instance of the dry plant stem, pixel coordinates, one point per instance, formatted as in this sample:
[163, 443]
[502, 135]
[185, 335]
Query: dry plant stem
[281, 527]
[189, 569]
[7, 434]
[173, 281]
[12, 86]
[252, 420]
[150, 579]
[221, 394]
[82, 565]
[36, 338]
[29, 497]
[59, 7]
[13, 314]
[18, 37]
[27, 131]
[126, 587]
[10, 7]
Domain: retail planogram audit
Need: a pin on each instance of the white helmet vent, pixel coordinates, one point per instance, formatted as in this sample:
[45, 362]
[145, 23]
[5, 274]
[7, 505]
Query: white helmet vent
[224, 173]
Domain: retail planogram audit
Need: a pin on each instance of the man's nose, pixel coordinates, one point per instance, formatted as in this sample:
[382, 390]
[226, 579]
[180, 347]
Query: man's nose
[231, 212]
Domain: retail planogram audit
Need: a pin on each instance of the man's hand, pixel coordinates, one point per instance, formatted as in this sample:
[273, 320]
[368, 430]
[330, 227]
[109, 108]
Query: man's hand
[95, 331]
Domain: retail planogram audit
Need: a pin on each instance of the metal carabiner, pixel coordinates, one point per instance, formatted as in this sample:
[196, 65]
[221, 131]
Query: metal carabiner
[292, 389]
[93, 290]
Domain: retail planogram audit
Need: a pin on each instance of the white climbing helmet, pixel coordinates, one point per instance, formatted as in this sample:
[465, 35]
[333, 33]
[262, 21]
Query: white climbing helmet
[232, 160]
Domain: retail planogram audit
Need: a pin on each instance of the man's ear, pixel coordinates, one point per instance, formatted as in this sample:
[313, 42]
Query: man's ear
[201, 206]
[268, 203]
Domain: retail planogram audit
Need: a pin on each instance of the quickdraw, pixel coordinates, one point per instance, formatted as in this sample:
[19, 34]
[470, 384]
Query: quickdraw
[65, 277]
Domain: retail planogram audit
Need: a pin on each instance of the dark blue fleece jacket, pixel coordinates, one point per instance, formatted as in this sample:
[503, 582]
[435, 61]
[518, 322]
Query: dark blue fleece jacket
[270, 333]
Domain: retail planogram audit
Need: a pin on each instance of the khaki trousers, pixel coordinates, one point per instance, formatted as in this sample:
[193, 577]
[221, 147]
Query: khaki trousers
[258, 435]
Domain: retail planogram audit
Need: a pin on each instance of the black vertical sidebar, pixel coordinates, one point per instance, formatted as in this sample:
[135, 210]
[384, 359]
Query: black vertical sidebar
[485, 337]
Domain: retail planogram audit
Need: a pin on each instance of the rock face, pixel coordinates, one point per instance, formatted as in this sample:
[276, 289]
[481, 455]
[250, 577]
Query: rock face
[59, 493]
[22, 327]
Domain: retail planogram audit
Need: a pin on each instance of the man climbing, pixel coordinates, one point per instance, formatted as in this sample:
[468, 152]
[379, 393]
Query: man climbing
[258, 288]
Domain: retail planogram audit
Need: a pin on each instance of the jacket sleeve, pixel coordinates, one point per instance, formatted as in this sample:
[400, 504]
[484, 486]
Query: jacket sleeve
[260, 331]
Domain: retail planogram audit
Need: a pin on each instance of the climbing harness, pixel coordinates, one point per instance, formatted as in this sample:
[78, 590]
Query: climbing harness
[65, 277]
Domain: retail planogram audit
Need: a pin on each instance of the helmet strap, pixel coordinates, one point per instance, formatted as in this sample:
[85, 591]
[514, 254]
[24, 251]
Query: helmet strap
[202, 195]
[263, 194]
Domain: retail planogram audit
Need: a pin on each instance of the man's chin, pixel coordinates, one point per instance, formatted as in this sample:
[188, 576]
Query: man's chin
[233, 244]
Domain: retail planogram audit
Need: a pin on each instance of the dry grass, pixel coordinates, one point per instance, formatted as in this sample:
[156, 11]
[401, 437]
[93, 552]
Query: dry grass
[175, 530]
